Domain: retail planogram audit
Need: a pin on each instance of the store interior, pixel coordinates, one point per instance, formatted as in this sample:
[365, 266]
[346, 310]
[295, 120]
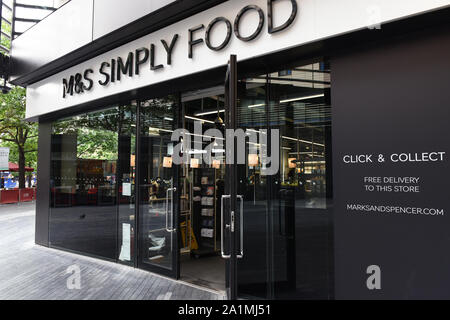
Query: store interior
[202, 187]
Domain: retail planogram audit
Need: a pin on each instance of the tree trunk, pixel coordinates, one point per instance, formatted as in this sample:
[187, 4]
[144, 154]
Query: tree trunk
[21, 168]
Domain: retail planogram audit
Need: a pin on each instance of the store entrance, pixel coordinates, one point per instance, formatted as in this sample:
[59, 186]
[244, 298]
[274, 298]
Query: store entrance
[252, 217]
[158, 189]
[201, 188]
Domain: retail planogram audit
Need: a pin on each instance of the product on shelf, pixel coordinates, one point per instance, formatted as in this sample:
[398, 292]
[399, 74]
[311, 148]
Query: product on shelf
[207, 201]
[207, 233]
[208, 212]
[210, 191]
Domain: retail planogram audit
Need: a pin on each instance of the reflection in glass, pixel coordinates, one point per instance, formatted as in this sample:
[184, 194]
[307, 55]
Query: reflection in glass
[91, 157]
[287, 216]
[157, 181]
[302, 254]
[204, 178]
[252, 117]
[126, 174]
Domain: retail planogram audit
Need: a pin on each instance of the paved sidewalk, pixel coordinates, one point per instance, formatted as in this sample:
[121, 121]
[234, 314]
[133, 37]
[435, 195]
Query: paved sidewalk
[28, 271]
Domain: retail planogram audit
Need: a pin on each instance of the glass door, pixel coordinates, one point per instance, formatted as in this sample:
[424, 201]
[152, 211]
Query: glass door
[158, 183]
[244, 204]
[277, 206]
[231, 203]
[253, 185]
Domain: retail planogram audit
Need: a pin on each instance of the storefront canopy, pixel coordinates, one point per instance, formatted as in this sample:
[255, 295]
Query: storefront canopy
[15, 167]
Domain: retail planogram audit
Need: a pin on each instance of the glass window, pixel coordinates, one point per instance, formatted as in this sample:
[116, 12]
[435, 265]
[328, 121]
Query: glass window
[286, 215]
[157, 176]
[92, 178]
[252, 117]
[300, 108]
[126, 179]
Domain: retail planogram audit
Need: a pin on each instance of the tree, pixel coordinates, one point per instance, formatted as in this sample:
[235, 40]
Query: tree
[19, 135]
[6, 28]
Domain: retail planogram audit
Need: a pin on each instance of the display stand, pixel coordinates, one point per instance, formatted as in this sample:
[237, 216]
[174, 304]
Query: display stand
[188, 240]
[204, 211]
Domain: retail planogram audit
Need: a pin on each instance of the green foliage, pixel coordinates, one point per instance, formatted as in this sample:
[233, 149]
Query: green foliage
[15, 133]
[97, 144]
[6, 28]
[12, 108]
[97, 133]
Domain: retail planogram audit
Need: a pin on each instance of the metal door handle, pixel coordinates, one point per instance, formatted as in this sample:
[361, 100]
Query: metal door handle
[171, 229]
[227, 226]
[222, 231]
[241, 214]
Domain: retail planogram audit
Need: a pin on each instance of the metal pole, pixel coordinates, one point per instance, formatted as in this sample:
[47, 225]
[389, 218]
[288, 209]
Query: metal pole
[13, 20]
[1, 20]
[137, 185]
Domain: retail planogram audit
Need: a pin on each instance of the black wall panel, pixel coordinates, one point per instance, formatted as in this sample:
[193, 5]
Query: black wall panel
[43, 184]
[386, 100]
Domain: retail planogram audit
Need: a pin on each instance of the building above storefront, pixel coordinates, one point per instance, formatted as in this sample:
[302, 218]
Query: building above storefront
[84, 29]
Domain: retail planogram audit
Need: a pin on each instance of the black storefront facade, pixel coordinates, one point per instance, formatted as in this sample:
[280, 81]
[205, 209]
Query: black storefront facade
[357, 205]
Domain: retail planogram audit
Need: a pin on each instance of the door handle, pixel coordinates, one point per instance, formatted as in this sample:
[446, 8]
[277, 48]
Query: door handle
[171, 228]
[241, 227]
[222, 231]
[231, 227]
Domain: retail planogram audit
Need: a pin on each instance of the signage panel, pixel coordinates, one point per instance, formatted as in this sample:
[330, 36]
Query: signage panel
[206, 40]
[4, 159]
[391, 166]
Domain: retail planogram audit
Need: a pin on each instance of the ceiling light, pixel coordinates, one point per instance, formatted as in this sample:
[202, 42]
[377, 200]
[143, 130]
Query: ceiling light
[208, 113]
[256, 105]
[199, 119]
[303, 98]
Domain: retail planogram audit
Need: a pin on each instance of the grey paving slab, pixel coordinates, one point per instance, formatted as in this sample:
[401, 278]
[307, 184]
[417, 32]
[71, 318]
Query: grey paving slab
[32, 272]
